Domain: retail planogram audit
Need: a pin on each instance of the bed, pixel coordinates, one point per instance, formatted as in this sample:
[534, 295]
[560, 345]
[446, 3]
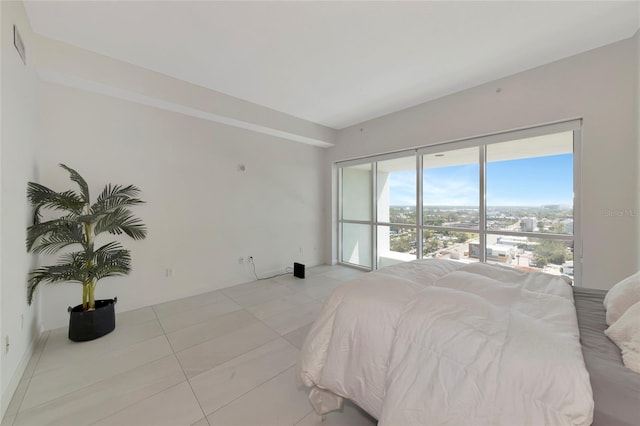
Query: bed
[443, 342]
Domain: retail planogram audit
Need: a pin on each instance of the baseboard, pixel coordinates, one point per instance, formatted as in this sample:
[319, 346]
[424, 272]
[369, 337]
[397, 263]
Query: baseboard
[16, 377]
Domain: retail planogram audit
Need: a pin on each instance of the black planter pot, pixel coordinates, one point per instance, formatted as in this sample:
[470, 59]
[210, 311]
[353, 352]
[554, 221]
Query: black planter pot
[89, 325]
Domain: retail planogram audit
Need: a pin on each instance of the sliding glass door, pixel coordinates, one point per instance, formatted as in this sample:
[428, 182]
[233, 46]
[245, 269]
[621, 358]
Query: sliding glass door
[356, 215]
[396, 221]
[510, 199]
[451, 203]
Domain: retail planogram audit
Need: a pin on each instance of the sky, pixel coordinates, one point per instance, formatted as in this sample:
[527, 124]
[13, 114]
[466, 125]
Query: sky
[526, 182]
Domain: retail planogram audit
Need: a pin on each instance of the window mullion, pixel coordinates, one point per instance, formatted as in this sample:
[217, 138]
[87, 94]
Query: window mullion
[577, 206]
[374, 216]
[482, 226]
[419, 206]
[340, 215]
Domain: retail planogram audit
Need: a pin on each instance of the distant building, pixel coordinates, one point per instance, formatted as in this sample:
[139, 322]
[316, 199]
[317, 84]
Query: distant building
[495, 252]
[568, 227]
[512, 241]
[528, 224]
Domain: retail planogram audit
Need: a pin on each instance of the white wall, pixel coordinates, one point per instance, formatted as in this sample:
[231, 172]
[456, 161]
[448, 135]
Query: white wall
[597, 86]
[66, 64]
[17, 166]
[202, 213]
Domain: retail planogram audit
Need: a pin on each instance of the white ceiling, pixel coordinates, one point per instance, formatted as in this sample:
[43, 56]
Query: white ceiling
[336, 63]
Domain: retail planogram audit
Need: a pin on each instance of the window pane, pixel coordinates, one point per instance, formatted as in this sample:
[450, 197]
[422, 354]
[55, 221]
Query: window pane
[450, 245]
[396, 244]
[396, 184]
[530, 185]
[356, 192]
[356, 244]
[451, 188]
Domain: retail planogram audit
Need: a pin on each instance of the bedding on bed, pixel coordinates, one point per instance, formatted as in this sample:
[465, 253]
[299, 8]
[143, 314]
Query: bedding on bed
[442, 342]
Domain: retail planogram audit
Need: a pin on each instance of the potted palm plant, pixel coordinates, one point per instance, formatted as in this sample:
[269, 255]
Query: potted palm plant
[79, 224]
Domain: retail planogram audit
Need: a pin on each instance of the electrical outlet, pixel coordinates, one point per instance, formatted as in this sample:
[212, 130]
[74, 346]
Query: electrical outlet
[241, 260]
[6, 344]
[169, 272]
[250, 259]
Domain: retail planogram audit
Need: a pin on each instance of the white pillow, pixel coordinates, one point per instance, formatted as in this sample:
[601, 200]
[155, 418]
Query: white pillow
[621, 297]
[626, 334]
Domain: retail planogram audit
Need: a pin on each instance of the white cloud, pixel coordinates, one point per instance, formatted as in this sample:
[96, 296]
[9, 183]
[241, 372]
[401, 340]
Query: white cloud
[402, 189]
[450, 193]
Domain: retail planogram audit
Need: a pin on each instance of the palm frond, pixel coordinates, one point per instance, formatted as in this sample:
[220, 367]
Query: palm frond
[36, 193]
[111, 260]
[42, 197]
[63, 228]
[110, 247]
[62, 272]
[114, 196]
[75, 176]
[62, 236]
[120, 221]
[88, 218]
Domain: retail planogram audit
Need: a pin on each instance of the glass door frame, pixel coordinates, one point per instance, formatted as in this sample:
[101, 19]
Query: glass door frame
[481, 143]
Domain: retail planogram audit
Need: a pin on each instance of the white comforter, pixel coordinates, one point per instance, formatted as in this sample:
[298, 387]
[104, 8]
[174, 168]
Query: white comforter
[437, 342]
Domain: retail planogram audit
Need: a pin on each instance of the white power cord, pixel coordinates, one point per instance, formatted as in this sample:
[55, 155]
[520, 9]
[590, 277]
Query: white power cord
[287, 270]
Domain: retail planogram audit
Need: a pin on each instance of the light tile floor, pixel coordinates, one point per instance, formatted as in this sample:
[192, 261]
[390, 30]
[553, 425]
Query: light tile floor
[222, 358]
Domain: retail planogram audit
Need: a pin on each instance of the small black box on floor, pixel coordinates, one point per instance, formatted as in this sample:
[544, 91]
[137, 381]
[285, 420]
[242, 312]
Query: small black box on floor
[298, 270]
